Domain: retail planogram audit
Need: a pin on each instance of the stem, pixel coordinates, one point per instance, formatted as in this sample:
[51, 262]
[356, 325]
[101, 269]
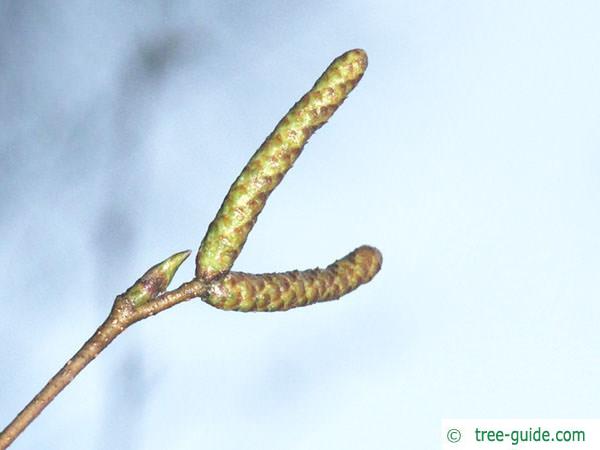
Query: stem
[109, 330]
[122, 315]
[187, 291]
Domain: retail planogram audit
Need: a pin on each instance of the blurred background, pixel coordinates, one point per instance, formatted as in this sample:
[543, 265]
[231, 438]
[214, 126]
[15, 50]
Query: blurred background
[469, 154]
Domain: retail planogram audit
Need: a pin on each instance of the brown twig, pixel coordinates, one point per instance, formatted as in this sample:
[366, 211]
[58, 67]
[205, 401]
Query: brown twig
[120, 318]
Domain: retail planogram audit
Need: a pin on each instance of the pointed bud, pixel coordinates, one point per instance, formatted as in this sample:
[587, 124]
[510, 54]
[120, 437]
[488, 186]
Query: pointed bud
[281, 291]
[156, 279]
[247, 196]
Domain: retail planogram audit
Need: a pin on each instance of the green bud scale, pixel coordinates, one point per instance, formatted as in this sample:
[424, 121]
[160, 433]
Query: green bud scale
[155, 280]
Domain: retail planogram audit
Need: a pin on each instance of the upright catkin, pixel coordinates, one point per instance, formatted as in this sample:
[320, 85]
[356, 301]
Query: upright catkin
[281, 291]
[246, 198]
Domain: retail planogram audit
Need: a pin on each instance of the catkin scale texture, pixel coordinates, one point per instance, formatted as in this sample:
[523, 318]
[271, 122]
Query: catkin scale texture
[246, 198]
[282, 291]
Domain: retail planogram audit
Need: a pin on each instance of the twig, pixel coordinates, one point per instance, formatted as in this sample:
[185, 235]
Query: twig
[123, 314]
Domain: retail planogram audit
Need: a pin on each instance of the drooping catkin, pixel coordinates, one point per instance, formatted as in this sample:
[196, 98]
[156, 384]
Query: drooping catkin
[247, 196]
[281, 291]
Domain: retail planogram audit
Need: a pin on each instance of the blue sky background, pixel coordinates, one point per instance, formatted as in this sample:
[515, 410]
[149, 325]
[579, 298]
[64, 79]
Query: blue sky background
[469, 154]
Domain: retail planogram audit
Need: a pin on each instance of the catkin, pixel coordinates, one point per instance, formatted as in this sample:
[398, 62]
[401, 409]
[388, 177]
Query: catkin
[281, 291]
[247, 196]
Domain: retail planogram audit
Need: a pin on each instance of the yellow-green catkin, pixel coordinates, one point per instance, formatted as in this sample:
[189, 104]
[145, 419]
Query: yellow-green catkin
[247, 196]
[282, 291]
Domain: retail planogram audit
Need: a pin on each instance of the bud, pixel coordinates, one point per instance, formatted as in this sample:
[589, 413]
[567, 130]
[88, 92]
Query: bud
[247, 196]
[155, 280]
[282, 291]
